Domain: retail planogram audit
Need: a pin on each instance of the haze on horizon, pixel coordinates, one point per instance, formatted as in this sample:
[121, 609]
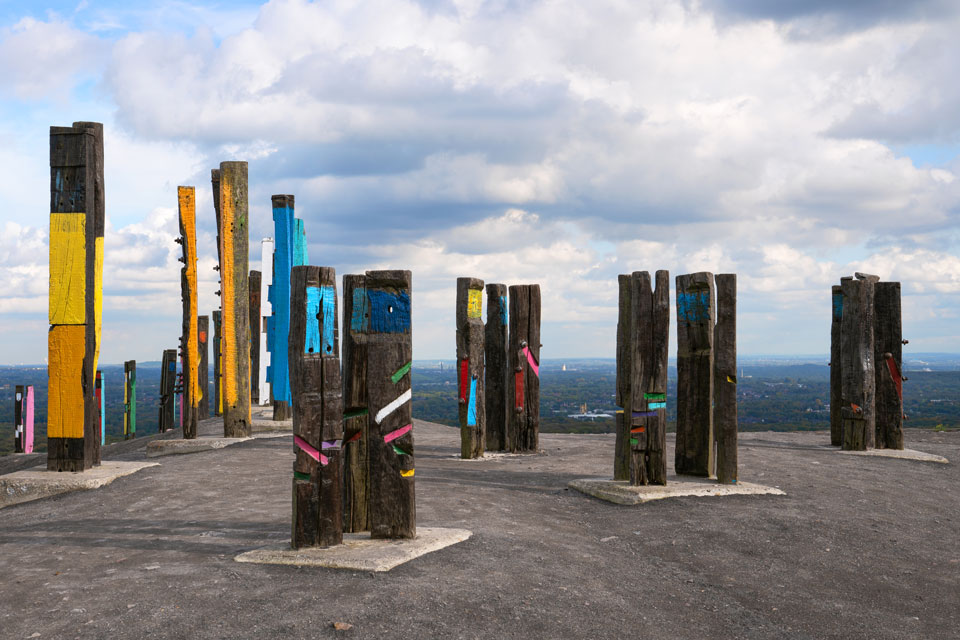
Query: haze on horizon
[551, 142]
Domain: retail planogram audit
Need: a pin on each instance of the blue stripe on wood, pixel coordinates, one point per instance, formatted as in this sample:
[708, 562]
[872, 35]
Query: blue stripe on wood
[644, 414]
[472, 405]
[300, 243]
[283, 250]
[503, 310]
[838, 306]
[656, 405]
[360, 318]
[389, 312]
[694, 306]
[329, 304]
[311, 342]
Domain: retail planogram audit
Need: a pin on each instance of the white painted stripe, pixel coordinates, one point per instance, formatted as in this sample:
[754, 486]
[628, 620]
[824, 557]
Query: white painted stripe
[393, 406]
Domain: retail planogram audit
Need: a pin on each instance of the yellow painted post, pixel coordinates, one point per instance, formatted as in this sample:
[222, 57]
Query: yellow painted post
[186, 200]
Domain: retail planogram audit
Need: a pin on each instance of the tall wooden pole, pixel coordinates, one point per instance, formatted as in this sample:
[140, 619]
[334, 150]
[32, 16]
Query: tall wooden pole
[235, 299]
[283, 261]
[836, 366]
[129, 399]
[470, 366]
[23, 419]
[217, 362]
[725, 378]
[76, 294]
[356, 324]
[858, 383]
[203, 367]
[254, 288]
[314, 355]
[495, 368]
[168, 381]
[888, 362]
[101, 401]
[266, 311]
[192, 391]
[523, 427]
[695, 334]
[390, 422]
[625, 337]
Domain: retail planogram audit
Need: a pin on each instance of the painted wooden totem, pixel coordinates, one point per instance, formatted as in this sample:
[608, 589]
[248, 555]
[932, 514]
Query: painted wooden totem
[470, 376]
[266, 312]
[129, 399]
[23, 419]
[496, 402]
[189, 344]
[523, 425]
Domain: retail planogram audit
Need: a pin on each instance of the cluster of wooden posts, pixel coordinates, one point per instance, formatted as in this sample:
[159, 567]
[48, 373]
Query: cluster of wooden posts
[706, 377]
[498, 411]
[866, 355]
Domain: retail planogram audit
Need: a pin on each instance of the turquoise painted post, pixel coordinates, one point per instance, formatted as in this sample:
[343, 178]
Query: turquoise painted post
[278, 373]
[101, 402]
[300, 246]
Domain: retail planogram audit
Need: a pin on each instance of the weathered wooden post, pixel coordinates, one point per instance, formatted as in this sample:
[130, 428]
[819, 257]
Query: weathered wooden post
[76, 294]
[523, 426]
[254, 288]
[836, 367]
[23, 419]
[314, 356]
[217, 362]
[299, 243]
[168, 380]
[643, 333]
[858, 382]
[470, 366]
[695, 334]
[203, 367]
[496, 403]
[129, 399]
[100, 399]
[189, 345]
[725, 378]
[356, 323]
[279, 296]
[266, 281]
[235, 299]
[888, 359]
[390, 422]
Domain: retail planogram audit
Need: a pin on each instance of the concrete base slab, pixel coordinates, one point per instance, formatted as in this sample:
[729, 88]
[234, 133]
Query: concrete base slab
[359, 552]
[36, 483]
[494, 455]
[267, 425]
[621, 492]
[159, 448]
[900, 454]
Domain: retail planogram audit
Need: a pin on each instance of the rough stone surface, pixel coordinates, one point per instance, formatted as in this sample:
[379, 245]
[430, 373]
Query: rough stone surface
[621, 492]
[900, 454]
[859, 548]
[159, 448]
[36, 483]
[358, 552]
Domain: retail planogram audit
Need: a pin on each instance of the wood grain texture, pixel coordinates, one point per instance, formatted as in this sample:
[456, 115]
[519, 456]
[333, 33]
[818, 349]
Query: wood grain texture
[496, 403]
[254, 289]
[523, 426]
[317, 407]
[203, 366]
[621, 452]
[470, 335]
[725, 378]
[836, 365]
[187, 206]
[696, 317]
[356, 322]
[888, 339]
[217, 376]
[235, 299]
[168, 381]
[858, 386]
[389, 350]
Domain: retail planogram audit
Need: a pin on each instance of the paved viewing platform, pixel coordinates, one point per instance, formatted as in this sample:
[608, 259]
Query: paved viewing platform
[857, 547]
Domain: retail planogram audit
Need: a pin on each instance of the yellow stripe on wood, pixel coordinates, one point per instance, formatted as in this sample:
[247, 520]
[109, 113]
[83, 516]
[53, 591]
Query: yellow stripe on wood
[186, 198]
[474, 303]
[98, 296]
[228, 357]
[68, 268]
[64, 371]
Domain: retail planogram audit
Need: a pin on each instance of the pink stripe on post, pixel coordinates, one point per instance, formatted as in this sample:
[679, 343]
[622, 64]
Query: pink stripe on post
[393, 435]
[533, 363]
[310, 451]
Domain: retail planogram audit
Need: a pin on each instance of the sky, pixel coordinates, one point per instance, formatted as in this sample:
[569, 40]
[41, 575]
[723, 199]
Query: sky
[518, 141]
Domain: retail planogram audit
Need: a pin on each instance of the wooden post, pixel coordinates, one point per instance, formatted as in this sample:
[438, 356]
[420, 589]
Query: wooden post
[76, 294]
[523, 427]
[390, 422]
[314, 356]
[129, 399]
[254, 289]
[725, 378]
[168, 380]
[836, 366]
[299, 243]
[23, 419]
[279, 296]
[495, 368]
[235, 300]
[625, 336]
[470, 366]
[217, 377]
[100, 400]
[858, 383]
[189, 349]
[888, 362]
[695, 332]
[266, 281]
[203, 367]
[356, 323]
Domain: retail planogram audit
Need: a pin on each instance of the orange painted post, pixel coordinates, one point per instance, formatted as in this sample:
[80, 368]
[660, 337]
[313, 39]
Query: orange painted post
[186, 199]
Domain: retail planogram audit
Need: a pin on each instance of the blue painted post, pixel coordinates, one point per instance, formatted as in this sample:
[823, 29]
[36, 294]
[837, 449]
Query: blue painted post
[278, 329]
[300, 243]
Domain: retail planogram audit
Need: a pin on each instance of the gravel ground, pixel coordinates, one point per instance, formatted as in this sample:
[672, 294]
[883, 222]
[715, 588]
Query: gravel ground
[858, 548]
